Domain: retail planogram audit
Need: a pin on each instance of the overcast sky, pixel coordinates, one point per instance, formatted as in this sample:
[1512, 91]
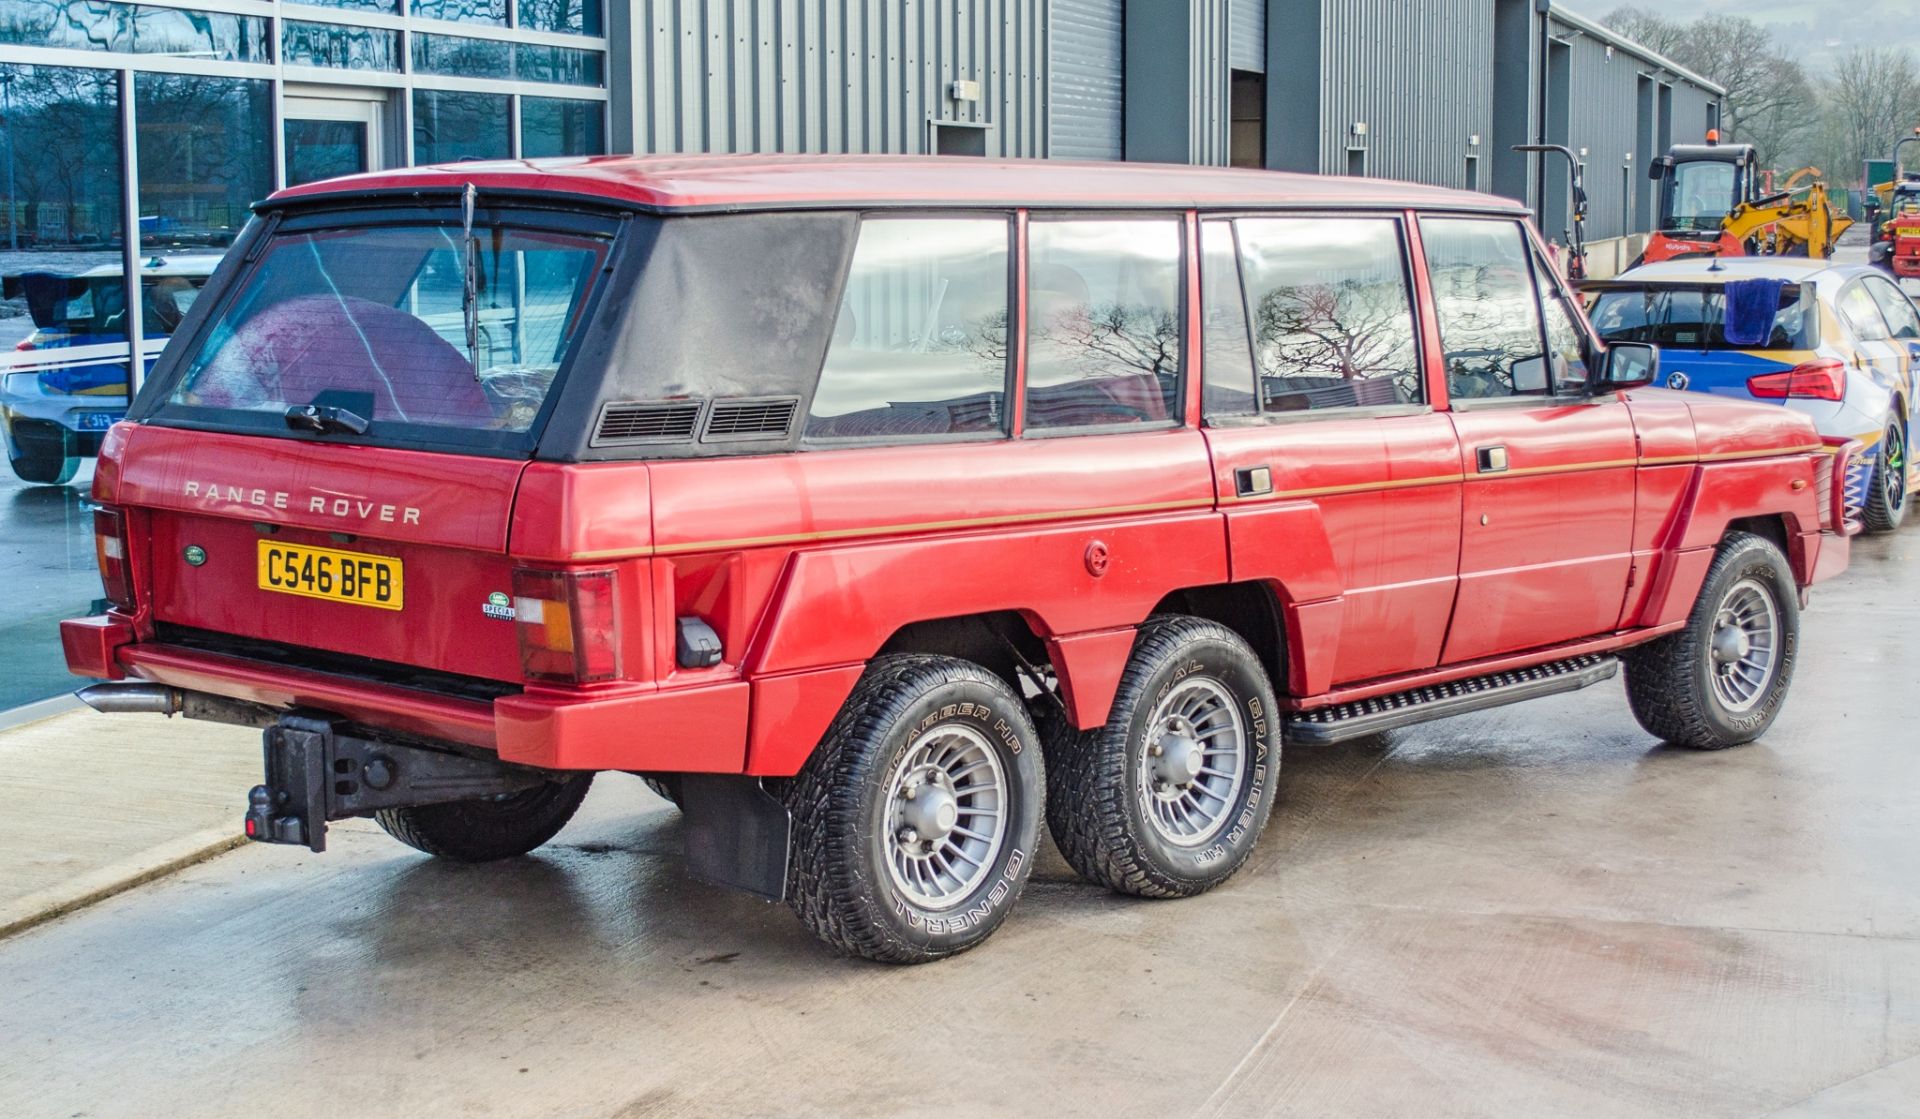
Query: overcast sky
[1813, 30]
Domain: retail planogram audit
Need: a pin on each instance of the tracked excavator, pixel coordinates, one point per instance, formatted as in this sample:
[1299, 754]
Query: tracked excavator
[1713, 203]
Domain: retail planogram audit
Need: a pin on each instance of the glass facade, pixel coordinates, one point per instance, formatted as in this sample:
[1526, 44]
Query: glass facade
[562, 126]
[449, 126]
[339, 46]
[205, 156]
[163, 125]
[134, 29]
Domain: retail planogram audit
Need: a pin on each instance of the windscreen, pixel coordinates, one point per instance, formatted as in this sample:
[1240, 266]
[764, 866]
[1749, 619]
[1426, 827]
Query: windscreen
[417, 334]
[1703, 194]
[1694, 318]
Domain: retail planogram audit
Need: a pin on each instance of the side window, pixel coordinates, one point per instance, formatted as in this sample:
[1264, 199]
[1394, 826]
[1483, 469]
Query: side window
[1862, 314]
[1332, 318]
[1489, 320]
[1228, 383]
[920, 343]
[1566, 341]
[1901, 316]
[1103, 322]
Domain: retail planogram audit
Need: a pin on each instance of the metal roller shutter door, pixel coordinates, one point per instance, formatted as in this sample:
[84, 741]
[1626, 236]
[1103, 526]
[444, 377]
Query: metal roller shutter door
[1084, 84]
[1247, 35]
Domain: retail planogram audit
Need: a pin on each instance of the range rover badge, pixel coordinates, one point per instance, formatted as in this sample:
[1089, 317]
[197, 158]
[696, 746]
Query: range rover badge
[195, 555]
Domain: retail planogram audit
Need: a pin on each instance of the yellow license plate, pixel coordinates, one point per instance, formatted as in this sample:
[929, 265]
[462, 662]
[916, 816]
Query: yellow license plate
[336, 576]
[1905, 233]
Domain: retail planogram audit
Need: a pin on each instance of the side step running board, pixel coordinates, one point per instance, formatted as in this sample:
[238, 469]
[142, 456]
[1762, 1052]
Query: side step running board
[1477, 693]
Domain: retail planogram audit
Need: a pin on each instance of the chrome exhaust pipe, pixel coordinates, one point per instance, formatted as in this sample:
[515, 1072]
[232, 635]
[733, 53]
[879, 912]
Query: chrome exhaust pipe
[131, 698]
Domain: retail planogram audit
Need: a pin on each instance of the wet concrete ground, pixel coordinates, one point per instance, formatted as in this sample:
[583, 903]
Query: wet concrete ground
[47, 572]
[1532, 911]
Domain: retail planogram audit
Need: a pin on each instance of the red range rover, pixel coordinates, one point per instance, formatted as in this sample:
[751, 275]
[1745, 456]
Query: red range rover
[875, 509]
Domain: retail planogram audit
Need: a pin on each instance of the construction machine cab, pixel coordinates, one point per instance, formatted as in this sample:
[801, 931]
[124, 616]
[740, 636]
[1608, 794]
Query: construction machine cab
[1701, 184]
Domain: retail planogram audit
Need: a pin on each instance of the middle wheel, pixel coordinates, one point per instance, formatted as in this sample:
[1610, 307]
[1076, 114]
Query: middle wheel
[1170, 796]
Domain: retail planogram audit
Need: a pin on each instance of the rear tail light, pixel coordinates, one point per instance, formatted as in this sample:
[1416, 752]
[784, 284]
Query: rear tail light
[1825, 379]
[110, 550]
[23, 345]
[569, 624]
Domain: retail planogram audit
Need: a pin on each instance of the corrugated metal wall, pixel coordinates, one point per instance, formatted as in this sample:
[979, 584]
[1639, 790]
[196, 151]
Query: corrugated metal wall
[1209, 114]
[1419, 73]
[829, 75]
[1085, 88]
[1604, 115]
[1247, 35]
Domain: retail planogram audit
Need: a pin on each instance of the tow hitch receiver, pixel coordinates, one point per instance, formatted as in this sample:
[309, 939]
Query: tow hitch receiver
[315, 774]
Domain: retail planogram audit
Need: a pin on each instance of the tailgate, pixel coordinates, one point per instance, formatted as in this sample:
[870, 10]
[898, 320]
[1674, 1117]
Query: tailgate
[372, 552]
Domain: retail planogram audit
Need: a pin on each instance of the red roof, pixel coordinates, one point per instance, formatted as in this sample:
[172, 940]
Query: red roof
[705, 182]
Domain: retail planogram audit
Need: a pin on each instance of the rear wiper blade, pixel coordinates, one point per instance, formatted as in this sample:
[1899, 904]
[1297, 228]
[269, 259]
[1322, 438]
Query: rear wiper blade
[326, 419]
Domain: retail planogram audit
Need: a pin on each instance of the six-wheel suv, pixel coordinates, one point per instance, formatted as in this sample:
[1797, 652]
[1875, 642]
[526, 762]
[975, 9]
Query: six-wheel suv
[875, 509]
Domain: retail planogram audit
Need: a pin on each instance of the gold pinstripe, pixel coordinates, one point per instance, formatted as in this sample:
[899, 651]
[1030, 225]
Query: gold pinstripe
[1164, 506]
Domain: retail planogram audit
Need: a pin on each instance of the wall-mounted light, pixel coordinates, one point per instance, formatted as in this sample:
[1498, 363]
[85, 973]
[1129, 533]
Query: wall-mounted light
[1359, 128]
[963, 90]
[1473, 141]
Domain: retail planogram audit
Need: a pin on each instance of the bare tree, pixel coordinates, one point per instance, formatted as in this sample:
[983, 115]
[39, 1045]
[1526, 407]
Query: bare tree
[1872, 99]
[1770, 102]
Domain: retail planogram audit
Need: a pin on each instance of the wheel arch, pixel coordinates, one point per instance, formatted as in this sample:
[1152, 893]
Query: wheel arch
[1250, 609]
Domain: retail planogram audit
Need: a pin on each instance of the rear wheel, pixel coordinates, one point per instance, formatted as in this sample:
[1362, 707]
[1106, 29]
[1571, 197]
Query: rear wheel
[1170, 796]
[914, 823]
[1720, 681]
[479, 831]
[41, 456]
[1887, 495]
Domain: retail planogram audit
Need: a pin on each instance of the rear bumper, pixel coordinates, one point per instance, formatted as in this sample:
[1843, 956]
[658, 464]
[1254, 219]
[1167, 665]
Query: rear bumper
[686, 730]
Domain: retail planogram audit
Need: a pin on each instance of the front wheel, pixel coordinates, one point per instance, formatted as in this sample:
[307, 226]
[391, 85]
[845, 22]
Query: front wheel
[915, 821]
[1170, 796]
[1720, 681]
[1886, 506]
[480, 831]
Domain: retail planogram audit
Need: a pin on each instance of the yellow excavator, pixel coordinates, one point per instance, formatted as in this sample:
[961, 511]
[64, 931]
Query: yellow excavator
[1712, 204]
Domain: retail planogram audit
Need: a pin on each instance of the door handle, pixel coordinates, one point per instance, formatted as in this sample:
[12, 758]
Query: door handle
[1492, 458]
[1252, 481]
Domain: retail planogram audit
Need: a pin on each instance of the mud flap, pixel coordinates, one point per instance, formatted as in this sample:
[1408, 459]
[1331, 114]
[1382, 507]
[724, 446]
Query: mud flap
[737, 833]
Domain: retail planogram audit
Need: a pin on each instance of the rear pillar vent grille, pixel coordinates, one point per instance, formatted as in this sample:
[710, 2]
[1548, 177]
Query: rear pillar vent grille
[667, 421]
[768, 418]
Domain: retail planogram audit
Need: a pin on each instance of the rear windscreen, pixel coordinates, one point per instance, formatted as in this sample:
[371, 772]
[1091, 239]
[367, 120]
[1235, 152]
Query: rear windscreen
[1694, 318]
[424, 333]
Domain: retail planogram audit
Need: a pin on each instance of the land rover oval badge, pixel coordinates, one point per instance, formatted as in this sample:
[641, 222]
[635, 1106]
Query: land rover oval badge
[195, 555]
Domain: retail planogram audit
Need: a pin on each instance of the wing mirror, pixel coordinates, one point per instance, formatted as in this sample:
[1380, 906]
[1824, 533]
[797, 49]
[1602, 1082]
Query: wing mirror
[1658, 168]
[1630, 365]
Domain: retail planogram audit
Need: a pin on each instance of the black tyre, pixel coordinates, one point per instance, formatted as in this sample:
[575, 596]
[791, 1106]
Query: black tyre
[915, 821]
[1720, 681]
[1170, 796]
[41, 456]
[1886, 507]
[480, 831]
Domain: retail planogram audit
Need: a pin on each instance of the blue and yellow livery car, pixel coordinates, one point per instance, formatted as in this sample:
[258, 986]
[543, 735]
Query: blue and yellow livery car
[1840, 343]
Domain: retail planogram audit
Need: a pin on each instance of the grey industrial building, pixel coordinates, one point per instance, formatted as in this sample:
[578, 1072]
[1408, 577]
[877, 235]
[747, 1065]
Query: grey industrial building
[167, 118]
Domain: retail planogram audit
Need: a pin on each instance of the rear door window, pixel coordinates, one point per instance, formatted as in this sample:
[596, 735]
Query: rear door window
[373, 320]
[1901, 316]
[1103, 322]
[920, 340]
[1862, 314]
[1483, 294]
[1227, 388]
[1332, 314]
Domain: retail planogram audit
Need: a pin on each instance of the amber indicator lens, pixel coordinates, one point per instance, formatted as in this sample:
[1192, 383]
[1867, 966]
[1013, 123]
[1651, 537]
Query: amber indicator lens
[110, 549]
[568, 623]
